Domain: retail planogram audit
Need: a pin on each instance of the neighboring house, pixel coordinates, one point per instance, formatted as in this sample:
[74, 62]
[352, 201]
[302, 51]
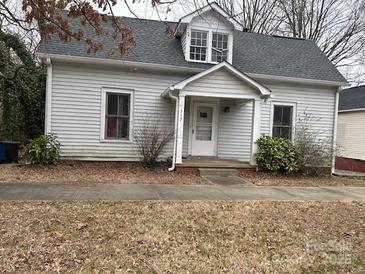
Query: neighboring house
[351, 130]
[219, 86]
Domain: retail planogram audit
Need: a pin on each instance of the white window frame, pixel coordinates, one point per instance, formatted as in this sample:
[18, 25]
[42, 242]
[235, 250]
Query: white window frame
[104, 92]
[209, 44]
[294, 115]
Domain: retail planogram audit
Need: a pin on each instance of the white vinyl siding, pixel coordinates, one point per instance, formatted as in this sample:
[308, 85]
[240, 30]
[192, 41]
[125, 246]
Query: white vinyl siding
[76, 108]
[315, 100]
[235, 126]
[221, 82]
[351, 135]
[234, 137]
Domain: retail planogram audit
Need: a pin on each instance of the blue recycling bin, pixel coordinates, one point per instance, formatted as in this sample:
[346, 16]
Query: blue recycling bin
[9, 152]
[2, 152]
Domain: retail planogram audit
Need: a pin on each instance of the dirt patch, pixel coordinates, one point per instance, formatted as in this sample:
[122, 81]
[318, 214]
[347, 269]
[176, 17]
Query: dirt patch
[204, 237]
[77, 172]
[267, 179]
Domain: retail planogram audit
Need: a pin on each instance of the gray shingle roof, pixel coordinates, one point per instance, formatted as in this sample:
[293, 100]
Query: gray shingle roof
[252, 53]
[352, 98]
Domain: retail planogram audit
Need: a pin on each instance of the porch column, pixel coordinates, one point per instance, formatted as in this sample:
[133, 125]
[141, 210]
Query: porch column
[256, 119]
[180, 128]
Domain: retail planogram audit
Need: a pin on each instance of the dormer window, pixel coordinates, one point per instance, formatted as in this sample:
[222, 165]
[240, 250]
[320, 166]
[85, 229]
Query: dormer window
[208, 46]
[198, 45]
[219, 47]
[206, 34]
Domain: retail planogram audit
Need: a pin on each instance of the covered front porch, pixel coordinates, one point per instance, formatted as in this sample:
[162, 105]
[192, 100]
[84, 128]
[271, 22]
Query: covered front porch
[217, 118]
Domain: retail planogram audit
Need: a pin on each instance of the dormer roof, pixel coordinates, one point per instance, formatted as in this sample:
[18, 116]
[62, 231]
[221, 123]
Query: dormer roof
[210, 7]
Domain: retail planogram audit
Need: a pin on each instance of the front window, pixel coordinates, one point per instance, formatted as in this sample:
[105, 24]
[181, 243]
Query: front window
[283, 122]
[198, 45]
[219, 47]
[117, 116]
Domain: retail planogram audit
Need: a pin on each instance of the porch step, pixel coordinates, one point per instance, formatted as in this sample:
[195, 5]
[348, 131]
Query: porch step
[225, 172]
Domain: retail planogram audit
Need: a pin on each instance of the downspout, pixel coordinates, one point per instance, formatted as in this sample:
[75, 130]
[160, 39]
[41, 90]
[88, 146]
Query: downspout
[176, 99]
[334, 138]
[48, 106]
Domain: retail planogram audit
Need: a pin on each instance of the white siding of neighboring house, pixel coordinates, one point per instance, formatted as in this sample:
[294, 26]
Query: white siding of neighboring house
[351, 134]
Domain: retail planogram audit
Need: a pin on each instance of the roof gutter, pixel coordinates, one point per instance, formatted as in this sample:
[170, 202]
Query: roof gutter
[123, 63]
[351, 110]
[172, 68]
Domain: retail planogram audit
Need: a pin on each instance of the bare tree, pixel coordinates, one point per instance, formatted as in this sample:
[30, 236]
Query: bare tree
[337, 26]
[151, 139]
[256, 15]
[12, 20]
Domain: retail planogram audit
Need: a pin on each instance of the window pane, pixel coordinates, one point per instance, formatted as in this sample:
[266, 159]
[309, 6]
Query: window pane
[285, 133]
[123, 105]
[278, 111]
[276, 132]
[123, 127]
[111, 127]
[219, 47]
[287, 116]
[112, 104]
[198, 45]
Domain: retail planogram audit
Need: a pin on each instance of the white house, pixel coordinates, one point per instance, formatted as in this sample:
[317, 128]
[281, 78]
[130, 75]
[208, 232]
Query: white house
[219, 86]
[351, 130]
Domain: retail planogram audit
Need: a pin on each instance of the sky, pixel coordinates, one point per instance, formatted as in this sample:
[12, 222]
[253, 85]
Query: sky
[143, 9]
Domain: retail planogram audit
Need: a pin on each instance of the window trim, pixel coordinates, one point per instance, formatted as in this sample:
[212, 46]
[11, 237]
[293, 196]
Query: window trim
[209, 44]
[104, 91]
[294, 115]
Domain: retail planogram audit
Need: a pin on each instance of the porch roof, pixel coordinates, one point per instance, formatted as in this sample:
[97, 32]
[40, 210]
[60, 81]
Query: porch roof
[264, 92]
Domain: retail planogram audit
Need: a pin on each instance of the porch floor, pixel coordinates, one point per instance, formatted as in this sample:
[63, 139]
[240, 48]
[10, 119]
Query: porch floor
[213, 162]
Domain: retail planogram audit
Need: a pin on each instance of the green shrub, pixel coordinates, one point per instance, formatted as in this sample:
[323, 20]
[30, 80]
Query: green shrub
[44, 150]
[277, 155]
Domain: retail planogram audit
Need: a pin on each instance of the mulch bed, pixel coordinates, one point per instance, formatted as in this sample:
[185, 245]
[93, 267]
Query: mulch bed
[82, 172]
[269, 179]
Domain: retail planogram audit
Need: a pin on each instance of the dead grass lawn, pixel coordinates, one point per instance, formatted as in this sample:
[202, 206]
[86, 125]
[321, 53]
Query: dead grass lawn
[201, 237]
[77, 172]
[266, 179]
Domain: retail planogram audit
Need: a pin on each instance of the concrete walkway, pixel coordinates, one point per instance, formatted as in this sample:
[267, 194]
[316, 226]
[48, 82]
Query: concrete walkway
[174, 192]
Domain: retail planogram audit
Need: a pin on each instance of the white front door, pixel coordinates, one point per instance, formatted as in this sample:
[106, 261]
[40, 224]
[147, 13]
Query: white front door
[204, 129]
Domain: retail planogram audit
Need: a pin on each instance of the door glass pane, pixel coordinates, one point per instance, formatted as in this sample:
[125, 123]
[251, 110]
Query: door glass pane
[204, 123]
